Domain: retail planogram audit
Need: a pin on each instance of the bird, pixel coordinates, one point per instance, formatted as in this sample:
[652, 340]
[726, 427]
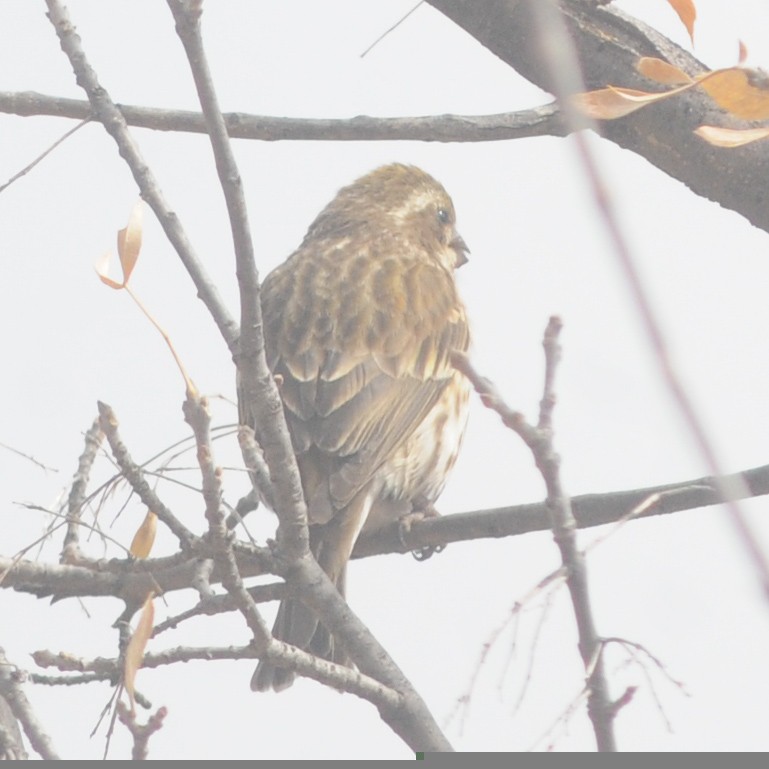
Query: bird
[360, 325]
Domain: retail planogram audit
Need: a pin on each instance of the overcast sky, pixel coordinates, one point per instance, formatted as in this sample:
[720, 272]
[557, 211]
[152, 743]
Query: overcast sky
[679, 585]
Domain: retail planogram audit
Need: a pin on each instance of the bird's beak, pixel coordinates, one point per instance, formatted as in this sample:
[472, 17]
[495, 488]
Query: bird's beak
[461, 249]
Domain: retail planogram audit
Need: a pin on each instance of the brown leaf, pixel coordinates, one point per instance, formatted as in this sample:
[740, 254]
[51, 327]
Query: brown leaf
[129, 241]
[141, 545]
[607, 103]
[743, 92]
[612, 102]
[687, 13]
[135, 651]
[728, 137]
[661, 71]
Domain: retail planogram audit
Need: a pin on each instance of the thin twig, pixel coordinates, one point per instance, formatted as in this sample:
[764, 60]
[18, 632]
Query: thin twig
[141, 733]
[24, 171]
[336, 676]
[539, 439]
[135, 476]
[197, 416]
[77, 495]
[254, 460]
[106, 111]
[28, 457]
[565, 74]
[390, 29]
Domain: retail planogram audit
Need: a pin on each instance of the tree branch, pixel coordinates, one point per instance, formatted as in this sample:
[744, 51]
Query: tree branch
[105, 110]
[539, 121]
[409, 716]
[539, 439]
[10, 689]
[609, 43]
[589, 510]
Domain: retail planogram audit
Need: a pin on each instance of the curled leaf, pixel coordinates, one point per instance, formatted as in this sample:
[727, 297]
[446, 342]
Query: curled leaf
[135, 650]
[605, 104]
[102, 270]
[141, 545]
[612, 102]
[129, 241]
[729, 137]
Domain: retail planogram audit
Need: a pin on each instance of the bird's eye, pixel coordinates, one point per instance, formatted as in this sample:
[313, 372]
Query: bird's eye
[443, 215]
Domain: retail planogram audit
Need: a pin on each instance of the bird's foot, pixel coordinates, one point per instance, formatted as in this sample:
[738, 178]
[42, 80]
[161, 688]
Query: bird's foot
[405, 523]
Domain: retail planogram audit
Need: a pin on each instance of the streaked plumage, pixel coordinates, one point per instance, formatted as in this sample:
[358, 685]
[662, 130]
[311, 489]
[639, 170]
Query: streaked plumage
[360, 323]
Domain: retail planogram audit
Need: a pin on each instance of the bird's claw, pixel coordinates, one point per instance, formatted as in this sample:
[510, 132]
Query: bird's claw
[405, 523]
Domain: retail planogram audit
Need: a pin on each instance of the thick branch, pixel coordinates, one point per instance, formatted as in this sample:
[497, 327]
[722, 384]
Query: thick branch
[609, 43]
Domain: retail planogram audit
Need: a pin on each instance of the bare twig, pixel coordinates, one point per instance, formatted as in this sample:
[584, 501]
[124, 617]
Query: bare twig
[393, 27]
[77, 495]
[337, 676]
[134, 475]
[197, 416]
[141, 733]
[28, 457]
[254, 460]
[561, 58]
[561, 721]
[24, 171]
[219, 604]
[464, 700]
[11, 690]
[105, 110]
[539, 439]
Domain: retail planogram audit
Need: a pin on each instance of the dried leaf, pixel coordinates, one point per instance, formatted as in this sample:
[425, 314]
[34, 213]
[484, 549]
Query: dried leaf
[141, 545]
[135, 651]
[728, 137]
[743, 92]
[606, 103]
[129, 241]
[102, 270]
[661, 71]
[612, 102]
[687, 13]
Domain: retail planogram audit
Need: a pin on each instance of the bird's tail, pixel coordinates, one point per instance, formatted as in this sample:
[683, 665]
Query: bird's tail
[297, 625]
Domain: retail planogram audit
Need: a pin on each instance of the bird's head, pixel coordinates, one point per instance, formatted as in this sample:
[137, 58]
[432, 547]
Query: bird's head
[397, 199]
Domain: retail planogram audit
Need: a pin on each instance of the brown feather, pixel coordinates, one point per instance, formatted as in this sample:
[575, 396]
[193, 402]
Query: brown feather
[360, 322]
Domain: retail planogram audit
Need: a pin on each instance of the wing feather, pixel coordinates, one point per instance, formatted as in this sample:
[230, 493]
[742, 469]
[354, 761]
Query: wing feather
[364, 354]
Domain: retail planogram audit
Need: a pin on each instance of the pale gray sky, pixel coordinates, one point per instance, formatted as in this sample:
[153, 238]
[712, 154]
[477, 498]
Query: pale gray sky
[680, 585]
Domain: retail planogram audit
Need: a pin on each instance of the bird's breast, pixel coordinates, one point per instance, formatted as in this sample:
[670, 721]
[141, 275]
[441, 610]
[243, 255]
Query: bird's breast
[418, 470]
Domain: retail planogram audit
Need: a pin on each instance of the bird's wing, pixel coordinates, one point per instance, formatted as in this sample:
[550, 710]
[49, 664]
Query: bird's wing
[361, 361]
